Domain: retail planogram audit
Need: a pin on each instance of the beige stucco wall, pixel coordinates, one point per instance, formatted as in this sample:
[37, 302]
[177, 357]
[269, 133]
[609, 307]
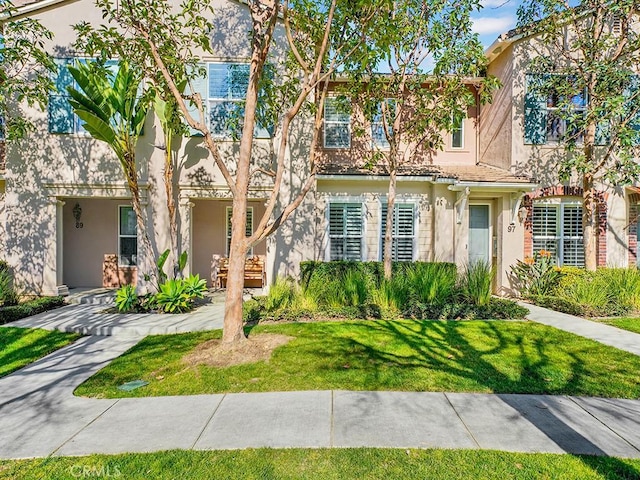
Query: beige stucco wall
[83, 266]
[3, 235]
[210, 236]
[45, 169]
[496, 118]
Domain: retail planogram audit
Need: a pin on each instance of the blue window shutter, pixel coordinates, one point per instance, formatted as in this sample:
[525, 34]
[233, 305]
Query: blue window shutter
[535, 111]
[60, 113]
[199, 85]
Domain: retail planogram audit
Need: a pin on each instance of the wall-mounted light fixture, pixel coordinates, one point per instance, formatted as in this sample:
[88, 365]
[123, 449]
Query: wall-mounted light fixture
[77, 214]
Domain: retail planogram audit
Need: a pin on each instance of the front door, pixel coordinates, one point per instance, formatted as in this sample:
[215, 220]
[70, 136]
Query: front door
[479, 234]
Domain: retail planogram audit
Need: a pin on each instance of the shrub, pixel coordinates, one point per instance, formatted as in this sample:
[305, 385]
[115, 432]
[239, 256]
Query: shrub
[497, 308]
[31, 307]
[536, 276]
[392, 296]
[195, 287]
[624, 287]
[475, 283]
[127, 299]
[432, 283]
[8, 295]
[281, 294]
[560, 304]
[172, 297]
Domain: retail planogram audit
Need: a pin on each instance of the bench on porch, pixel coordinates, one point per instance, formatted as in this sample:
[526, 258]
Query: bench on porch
[254, 271]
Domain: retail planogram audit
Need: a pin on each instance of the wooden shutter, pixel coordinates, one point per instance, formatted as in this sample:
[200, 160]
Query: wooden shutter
[345, 231]
[572, 239]
[403, 231]
[545, 228]
[535, 111]
[60, 112]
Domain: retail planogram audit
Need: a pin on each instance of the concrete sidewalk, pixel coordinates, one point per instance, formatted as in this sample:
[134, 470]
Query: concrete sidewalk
[39, 416]
[606, 334]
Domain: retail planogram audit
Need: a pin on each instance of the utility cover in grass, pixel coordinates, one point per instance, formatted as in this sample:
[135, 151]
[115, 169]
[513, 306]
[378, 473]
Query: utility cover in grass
[127, 387]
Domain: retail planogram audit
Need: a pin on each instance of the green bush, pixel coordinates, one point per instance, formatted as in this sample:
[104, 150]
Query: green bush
[536, 276]
[560, 304]
[127, 299]
[8, 295]
[475, 283]
[432, 283]
[31, 307]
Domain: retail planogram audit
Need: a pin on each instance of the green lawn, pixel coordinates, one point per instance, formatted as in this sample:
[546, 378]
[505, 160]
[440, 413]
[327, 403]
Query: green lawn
[326, 464]
[470, 356]
[21, 346]
[631, 324]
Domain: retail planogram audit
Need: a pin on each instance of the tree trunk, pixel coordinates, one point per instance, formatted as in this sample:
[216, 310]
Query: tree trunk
[388, 231]
[171, 206]
[232, 329]
[147, 249]
[589, 224]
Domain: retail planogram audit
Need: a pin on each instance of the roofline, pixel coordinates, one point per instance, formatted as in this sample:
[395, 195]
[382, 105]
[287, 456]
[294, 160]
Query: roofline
[454, 184]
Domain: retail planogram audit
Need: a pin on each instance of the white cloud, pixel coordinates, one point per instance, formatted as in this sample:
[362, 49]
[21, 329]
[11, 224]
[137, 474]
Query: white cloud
[493, 25]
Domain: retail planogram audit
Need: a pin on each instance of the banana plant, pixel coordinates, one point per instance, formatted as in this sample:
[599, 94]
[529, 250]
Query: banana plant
[113, 110]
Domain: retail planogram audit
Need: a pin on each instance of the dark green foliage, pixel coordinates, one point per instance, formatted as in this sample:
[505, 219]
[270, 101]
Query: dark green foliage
[8, 295]
[175, 296]
[603, 293]
[127, 299]
[358, 290]
[32, 307]
[536, 276]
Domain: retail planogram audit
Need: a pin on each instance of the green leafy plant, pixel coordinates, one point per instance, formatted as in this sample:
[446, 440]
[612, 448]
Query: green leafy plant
[127, 299]
[28, 308]
[432, 283]
[475, 283]
[8, 295]
[194, 286]
[537, 275]
[172, 297]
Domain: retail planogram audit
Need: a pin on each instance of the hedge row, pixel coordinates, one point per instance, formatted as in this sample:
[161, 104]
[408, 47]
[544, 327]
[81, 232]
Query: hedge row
[31, 307]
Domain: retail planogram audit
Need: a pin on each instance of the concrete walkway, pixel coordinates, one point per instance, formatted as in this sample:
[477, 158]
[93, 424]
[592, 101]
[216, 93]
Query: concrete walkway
[606, 334]
[39, 416]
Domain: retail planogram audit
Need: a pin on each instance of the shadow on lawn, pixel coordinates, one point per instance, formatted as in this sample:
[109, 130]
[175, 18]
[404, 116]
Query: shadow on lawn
[441, 346]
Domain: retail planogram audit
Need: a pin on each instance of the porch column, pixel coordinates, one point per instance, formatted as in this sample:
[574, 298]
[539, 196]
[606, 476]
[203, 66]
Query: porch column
[185, 207]
[53, 274]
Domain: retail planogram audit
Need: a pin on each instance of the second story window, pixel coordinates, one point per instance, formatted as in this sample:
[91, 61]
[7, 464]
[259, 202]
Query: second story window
[378, 136]
[61, 117]
[228, 84]
[337, 124]
[457, 133]
[551, 115]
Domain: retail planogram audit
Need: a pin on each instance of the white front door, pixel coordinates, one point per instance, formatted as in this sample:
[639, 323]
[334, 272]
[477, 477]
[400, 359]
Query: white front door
[479, 234]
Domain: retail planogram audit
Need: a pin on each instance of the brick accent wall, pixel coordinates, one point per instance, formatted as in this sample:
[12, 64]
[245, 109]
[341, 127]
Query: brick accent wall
[3, 156]
[567, 191]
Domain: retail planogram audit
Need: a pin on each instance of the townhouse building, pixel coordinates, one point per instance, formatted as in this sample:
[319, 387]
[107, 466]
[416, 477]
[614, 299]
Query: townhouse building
[66, 220]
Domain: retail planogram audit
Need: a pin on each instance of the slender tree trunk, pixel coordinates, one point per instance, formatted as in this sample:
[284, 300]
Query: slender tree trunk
[171, 205]
[232, 329]
[589, 224]
[388, 231]
[147, 249]
[589, 206]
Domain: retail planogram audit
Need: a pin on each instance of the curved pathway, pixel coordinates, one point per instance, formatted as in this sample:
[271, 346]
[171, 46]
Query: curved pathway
[39, 416]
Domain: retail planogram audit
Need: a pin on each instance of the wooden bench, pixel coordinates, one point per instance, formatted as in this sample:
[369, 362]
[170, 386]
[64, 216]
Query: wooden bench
[254, 271]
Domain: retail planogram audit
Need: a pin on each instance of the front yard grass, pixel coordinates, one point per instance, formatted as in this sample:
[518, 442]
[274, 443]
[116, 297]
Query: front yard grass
[463, 356]
[21, 346]
[326, 464]
[631, 324]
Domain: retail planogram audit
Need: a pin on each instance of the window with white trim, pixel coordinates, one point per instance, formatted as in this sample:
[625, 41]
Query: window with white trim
[248, 231]
[61, 117]
[403, 232]
[378, 136]
[127, 236]
[337, 124]
[557, 228]
[457, 133]
[228, 84]
[346, 228]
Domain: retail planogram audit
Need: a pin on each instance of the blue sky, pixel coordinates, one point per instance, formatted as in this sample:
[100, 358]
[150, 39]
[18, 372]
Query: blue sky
[497, 16]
